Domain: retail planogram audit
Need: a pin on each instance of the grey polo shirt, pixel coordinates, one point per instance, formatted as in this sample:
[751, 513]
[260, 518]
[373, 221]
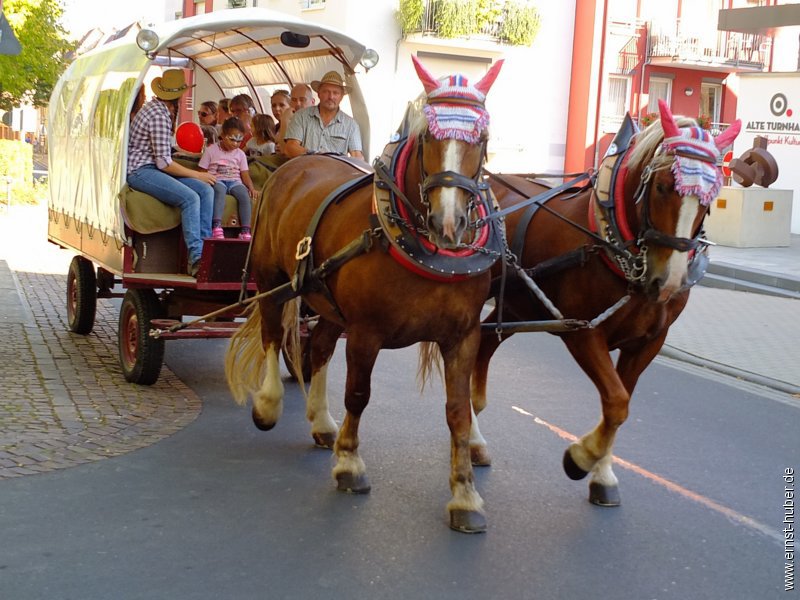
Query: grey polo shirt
[341, 135]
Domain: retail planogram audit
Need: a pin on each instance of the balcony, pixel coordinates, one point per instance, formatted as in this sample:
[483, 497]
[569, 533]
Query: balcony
[726, 51]
[507, 22]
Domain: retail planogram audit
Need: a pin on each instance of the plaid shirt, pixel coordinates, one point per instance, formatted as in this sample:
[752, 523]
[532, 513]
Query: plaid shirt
[341, 135]
[150, 140]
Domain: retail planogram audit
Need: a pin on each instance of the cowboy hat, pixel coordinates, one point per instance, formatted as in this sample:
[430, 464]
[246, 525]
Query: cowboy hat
[170, 86]
[331, 77]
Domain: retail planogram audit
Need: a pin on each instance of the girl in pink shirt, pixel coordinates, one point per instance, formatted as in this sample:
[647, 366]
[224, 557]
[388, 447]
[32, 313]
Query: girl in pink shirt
[228, 163]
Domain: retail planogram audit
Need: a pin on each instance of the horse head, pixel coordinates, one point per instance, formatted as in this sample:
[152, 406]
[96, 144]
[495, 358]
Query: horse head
[452, 131]
[673, 176]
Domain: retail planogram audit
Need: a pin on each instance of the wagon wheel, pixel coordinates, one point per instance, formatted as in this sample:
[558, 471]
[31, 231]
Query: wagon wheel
[140, 355]
[81, 295]
[305, 357]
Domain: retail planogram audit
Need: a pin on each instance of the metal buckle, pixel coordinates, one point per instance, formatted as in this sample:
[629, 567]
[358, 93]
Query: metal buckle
[303, 248]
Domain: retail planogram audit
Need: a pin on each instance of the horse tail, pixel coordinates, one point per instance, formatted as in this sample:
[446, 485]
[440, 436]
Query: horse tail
[290, 320]
[244, 360]
[430, 359]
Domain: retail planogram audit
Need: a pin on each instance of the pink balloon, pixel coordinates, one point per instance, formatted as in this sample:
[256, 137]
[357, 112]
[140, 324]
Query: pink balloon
[189, 137]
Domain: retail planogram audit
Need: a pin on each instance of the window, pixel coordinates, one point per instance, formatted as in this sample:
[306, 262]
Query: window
[660, 89]
[711, 100]
[615, 102]
[311, 4]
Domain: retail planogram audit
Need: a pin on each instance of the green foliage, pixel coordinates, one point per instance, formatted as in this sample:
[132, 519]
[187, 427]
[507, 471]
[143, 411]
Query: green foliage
[31, 75]
[516, 21]
[456, 18]
[520, 23]
[410, 15]
[16, 162]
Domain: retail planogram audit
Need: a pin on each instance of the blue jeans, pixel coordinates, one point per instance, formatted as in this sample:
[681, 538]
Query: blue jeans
[192, 196]
[238, 191]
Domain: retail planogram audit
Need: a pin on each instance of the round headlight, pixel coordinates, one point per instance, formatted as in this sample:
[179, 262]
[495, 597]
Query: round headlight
[147, 40]
[369, 59]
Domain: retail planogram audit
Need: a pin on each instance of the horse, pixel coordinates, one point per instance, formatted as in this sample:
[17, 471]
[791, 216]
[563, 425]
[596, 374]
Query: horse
[322, 233]
[618, 258]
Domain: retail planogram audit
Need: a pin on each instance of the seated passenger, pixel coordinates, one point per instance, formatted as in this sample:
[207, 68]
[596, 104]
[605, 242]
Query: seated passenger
[302, 96]
[243, 108]
[151, 169]
[263, 141]
[228, 163]
[324, 127]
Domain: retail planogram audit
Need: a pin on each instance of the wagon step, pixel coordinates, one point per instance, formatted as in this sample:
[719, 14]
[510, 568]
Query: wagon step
[552, 326]
[206, 329]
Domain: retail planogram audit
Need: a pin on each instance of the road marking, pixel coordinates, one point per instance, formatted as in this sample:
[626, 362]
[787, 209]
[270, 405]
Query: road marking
[670, 485]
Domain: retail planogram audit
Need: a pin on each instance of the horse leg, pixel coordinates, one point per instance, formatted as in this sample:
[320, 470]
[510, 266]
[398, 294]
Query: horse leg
[466, 506]
[592, 453]
[478, 448]
[268, 400]
[350, 472]
[323, 344]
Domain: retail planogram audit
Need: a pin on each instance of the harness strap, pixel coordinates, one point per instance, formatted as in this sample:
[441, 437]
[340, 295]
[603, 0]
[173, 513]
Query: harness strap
[306, 278]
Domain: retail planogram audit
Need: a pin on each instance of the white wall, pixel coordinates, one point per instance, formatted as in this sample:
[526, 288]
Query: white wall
[757, 107]
[528, 103]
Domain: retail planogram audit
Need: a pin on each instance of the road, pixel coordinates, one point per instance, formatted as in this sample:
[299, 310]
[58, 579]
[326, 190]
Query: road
[221, 510]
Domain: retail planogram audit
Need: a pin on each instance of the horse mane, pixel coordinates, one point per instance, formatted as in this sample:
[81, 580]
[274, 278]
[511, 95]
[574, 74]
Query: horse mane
[648, 141]
[415, 121]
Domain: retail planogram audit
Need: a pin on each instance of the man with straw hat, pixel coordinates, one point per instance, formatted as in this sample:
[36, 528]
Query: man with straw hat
[324, 127]
[151, 169]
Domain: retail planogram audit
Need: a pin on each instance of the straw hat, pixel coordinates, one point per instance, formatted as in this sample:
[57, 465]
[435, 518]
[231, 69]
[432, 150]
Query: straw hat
[170, 85]
[331, 77]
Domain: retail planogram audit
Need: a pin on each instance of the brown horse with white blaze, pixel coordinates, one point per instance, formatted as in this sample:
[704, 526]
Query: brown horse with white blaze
[620, 257]
[311, 213]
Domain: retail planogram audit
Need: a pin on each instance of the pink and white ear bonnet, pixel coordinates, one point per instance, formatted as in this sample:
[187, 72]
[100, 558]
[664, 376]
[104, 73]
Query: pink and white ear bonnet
[455, 109]
[696, 156]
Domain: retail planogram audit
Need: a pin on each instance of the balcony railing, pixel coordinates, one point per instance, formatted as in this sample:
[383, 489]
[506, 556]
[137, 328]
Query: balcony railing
[716, 47]
[430, 25]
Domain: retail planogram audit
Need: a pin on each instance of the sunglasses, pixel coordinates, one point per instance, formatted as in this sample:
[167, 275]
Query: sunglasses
[234, 138]
[203, 114]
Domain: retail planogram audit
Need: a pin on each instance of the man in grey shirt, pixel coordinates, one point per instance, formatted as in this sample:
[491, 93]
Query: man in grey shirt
[324, 127]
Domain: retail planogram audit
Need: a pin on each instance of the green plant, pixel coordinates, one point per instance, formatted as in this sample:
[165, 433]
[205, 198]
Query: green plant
[520, 24]
[410, 15]
[648, 118]
[488, 13]
[704, 121]
[456, 18]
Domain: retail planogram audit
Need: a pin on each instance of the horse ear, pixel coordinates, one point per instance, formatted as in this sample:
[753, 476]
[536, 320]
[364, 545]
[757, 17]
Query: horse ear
[487, 80]
[725, 139]
[667, 120]
[429, 82]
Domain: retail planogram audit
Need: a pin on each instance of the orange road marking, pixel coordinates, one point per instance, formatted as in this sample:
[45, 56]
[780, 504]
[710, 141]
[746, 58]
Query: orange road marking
[670, 485]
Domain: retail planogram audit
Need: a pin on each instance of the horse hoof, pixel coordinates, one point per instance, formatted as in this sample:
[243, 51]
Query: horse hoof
[467, 521]
[352, 484]
[480, 457]
[571, 468]
[261, 423]
[604, 495]
[324, 440]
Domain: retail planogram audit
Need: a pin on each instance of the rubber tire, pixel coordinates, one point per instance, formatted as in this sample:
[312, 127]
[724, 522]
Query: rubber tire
[81, 296]
[140, 355]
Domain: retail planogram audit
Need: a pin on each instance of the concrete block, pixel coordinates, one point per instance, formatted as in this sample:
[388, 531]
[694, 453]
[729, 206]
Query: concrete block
[751, 217]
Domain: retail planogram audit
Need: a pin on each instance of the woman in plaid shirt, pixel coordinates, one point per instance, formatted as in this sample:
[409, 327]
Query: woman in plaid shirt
[151, 169]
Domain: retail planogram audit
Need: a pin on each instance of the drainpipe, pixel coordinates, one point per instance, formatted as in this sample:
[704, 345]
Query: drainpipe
[600, 86]
[645, 62]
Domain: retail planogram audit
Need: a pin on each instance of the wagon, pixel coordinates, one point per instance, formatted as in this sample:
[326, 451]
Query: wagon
[130, 245]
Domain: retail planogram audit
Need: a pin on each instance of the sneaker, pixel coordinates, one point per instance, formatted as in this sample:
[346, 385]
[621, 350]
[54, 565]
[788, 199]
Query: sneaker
[194, 268]
[245, 236]
[217, 233]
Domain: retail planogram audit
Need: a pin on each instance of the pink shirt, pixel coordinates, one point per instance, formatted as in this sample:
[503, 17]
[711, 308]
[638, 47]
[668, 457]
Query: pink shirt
[226, 166]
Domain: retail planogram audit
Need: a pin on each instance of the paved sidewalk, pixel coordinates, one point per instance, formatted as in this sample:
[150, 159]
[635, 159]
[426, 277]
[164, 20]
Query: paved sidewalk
[65, 401]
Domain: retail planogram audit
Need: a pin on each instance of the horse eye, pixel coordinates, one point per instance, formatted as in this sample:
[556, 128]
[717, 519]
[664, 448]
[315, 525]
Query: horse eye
[661, 188]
